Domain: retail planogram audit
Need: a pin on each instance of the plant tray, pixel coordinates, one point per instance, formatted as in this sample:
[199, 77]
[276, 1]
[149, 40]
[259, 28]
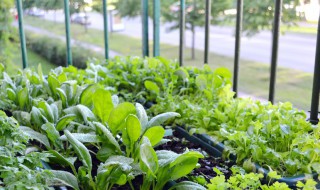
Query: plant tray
[216, 149]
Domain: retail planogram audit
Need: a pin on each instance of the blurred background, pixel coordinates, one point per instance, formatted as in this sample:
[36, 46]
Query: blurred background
[45, 34]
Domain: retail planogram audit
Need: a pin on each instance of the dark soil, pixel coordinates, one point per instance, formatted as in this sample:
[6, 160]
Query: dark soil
[180, 145]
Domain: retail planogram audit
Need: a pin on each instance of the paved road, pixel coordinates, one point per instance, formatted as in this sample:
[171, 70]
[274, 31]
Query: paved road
[296, 51]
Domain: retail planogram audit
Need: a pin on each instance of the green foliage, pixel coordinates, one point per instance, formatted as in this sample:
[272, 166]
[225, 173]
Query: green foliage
[55, 51]
[259, 15]
[5, 29]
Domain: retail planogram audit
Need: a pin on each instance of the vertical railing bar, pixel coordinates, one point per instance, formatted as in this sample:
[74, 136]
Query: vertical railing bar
[156, 28]
[207, 31]
[316, 82]
[237, 46]
[22, 35]
[67, 25]
[182, 31]
[275, 45]
[145, 28]
[105, 25]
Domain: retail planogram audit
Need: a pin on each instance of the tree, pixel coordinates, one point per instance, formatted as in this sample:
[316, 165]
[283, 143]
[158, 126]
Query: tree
[195, 11]
[259, 15]
[5, 27]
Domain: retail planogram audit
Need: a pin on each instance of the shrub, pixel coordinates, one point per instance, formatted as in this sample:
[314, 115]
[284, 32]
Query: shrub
[54, 50]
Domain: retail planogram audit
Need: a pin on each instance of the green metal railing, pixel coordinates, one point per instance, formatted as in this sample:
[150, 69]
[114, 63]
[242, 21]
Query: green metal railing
[156, 42]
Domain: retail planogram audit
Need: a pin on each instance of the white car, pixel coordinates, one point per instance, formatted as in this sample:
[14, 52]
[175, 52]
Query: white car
[80, 18]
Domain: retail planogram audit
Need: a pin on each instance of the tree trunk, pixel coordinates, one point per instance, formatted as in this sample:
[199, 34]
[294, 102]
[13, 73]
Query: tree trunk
[193, 55]
[55, 15]
[85, 22]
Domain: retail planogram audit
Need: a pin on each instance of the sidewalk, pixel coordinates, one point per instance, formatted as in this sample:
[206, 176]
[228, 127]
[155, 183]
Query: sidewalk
[73, 41]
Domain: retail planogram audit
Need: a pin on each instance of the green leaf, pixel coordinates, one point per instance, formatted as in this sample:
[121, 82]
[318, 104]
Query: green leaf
[223, 72]
[181, 72]
[133, 128]
[36, 136]
[53, 83]
[184, 164]
[142, 115]
[83, 137]
[118, 115]
[64, 121]
[81, 111]
[63, 97]
[47, 109]
[149, 159]
[161, 118]
[201, 82]
[36, 117]
[87, 94]
[11, 94]
[102, 104]
[23, 98]
[80, 149]
[63, 161]
[107, 134]
[152, 86]
[52, 133]
[66, 178]
[187, 185]
[22, 117]
[155, 134]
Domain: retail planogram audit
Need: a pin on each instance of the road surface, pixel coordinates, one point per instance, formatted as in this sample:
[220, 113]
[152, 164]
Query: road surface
[296, 51]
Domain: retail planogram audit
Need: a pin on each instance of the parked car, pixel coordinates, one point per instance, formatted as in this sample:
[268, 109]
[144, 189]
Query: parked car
[34, 11]
[80, 18]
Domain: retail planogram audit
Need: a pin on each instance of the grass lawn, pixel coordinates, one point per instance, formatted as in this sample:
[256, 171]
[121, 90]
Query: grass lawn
[33, 60]
[292, 85]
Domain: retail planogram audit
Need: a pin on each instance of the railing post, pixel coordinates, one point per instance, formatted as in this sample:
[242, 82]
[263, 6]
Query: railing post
[237, 46]
[22, 35]
[156, 28]
[182, 31]
[145, 28]
[207, 31]
[105, 25]
[67, 24]
[316, 82]
[275, 45]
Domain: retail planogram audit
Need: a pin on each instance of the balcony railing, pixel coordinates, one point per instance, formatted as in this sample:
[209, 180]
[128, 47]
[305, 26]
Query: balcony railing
[156, 43]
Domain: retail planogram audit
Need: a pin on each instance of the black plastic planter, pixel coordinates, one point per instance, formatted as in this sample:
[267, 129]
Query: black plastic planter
[216, 149]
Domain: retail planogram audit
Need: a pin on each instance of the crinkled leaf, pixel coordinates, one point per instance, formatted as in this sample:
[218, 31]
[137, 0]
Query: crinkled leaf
[35, 135]
[187, 185]
[83, 137]
[81, 111]
[107, 134]
[149, 160]
[142, 115]
[161, 118]
[64, 121]
[66, 178]
[80, 149]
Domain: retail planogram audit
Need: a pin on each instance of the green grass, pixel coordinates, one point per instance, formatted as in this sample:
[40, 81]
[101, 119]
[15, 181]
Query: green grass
[33, 60]
[299, 29]
[292, 85]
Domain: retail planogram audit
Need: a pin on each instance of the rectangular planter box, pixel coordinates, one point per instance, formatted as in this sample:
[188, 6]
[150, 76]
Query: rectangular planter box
[216, 149]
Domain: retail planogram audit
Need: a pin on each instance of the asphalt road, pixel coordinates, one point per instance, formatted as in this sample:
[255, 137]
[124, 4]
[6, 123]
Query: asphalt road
[296, 51]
